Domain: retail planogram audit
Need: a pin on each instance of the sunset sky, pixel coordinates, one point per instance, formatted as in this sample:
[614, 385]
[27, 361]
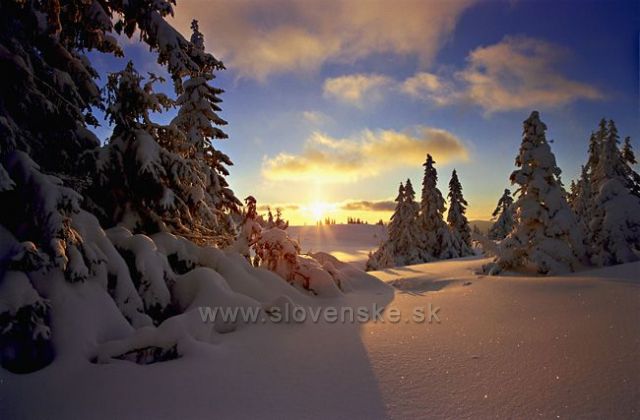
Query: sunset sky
[335, 102]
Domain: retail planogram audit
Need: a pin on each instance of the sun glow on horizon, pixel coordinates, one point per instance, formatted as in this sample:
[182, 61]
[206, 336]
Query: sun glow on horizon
[319, 210]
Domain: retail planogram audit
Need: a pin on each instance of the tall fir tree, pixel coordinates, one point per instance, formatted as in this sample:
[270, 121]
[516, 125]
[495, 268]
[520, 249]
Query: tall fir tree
[406, 244]
[614, 226]
[384, 256]
[436, 241]
[581, 199]
[545, 235]
[402, 246]
[211, 200]
[456, 218]
[503, 215]
[629, 157]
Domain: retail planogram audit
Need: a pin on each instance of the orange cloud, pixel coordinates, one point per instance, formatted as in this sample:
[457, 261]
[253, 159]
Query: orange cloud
[516, 73]
[429, 87]
[261, 38]
[329, 160]
[353, 89]
[520, 73]
[363, 205]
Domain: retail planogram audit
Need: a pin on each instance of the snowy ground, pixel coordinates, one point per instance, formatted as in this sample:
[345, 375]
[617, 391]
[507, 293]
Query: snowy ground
[505, 347]
[349, 243]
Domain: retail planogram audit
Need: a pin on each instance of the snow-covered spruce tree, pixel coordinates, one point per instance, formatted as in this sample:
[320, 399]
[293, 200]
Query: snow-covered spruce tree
[140, 184]
[614, 227]
[456, 218]
[436, 241]
[402, 246]
[211, 200]
[630, 159]
[503, 215]
[384, 256]
[581, 199]
[46, 92]
[403, 242]
[545, 236]
[162, 178]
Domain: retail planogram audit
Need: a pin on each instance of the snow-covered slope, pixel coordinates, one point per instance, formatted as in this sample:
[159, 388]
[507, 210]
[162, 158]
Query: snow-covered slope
[516, 347]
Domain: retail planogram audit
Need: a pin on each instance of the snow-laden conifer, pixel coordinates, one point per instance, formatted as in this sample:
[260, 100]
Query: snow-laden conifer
[614, 226]
[436, 241]
[503, 215]
[545, 236]
[456, 218]
[210, 200]
[629, 157]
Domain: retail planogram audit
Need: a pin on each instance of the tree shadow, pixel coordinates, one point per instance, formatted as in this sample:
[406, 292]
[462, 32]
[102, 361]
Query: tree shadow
[420, 287]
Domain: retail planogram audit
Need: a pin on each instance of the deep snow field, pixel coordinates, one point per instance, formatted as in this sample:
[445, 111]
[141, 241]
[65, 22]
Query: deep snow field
[505, 347]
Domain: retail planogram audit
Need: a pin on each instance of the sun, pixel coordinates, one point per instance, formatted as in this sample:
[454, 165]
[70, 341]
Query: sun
[319, 209]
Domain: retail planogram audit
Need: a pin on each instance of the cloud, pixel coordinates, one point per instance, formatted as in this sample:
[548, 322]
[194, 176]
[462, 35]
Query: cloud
[273, 207]
[429, 87]
[520, 73]
[516, 73]
[261, 38]
[330, 160]
[385, 205]
[353, 89]
[316, 117]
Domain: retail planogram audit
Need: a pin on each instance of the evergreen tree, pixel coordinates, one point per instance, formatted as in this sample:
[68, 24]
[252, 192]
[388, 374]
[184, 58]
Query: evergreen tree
[456, 218]
[402, 244]
[210, 200]
[627, 152]
[148, 186]
[581, 199]
[630, 159]
[406, 242]
[47, 91]
[503, 215]
[545, 235]
[614, 227]
[436, 239]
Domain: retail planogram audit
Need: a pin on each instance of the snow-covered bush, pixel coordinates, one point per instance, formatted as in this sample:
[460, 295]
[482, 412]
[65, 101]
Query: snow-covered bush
[150, 271]
[380, 259]
[249, 229]
[25, 335]
[280, 254]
